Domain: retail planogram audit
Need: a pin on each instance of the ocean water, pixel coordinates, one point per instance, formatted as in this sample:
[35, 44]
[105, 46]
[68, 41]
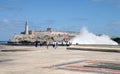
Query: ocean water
[3, 42]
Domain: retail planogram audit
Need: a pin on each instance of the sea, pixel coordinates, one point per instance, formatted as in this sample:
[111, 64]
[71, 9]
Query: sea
[3, 42]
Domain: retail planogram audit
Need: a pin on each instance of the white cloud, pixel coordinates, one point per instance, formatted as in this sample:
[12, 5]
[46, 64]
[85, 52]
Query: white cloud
[11, 22]
[116, 23]
[2, 8]
[6, 21]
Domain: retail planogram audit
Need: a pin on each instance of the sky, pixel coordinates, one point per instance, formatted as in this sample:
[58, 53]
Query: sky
[99, 16]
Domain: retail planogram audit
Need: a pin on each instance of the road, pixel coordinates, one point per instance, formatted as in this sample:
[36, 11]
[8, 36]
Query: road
[40, 60]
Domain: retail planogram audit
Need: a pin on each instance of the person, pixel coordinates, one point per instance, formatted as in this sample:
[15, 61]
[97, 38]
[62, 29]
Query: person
[40, 43]
[77, 44]
[36, 43]
[47, 44]
[55, 44]
[67, 43]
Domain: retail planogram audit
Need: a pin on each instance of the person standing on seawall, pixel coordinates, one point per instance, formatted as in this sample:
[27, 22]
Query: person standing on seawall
[55, 44]
[47, 44]
[36, 43]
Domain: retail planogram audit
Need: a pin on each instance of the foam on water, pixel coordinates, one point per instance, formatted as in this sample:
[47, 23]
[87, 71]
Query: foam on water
[87, 37]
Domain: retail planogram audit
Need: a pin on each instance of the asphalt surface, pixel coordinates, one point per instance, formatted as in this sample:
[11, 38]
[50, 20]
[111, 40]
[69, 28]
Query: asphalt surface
[40, 60]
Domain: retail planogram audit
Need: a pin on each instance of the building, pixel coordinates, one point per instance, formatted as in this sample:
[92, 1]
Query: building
[47, 35]
[26, 28]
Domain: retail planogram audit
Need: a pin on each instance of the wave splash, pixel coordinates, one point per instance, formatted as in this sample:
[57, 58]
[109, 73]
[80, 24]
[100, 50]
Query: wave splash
[87, 37]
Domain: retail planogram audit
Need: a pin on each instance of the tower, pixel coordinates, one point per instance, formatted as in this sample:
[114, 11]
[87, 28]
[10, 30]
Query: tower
[26, 28]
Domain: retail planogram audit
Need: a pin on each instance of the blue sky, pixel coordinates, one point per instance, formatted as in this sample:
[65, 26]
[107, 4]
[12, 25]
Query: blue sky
[99, 16]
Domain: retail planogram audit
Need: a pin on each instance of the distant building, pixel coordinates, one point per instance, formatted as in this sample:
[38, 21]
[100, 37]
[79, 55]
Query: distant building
[26, 32]
[31, 32]
[49, 30]
[47, 35]
[26, 28]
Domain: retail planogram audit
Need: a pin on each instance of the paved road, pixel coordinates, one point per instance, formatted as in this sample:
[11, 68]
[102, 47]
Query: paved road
[41, 60]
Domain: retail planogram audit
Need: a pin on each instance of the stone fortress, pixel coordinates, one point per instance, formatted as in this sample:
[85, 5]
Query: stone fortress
[42, 36]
